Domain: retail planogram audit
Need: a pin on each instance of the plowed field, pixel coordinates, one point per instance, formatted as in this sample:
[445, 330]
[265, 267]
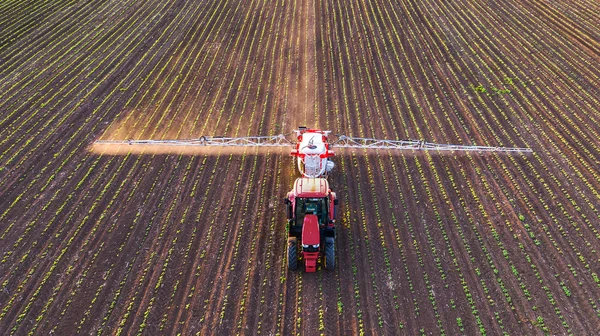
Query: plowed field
[94, 241]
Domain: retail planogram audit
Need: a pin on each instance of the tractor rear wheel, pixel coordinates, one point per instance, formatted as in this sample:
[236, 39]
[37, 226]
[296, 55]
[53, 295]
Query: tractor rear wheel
[292, 254]
[329, 253]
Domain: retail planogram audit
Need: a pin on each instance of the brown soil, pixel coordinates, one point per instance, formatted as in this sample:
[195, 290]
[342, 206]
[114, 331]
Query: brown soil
[97, 239]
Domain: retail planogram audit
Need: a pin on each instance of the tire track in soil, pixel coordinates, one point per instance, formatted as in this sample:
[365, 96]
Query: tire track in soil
[300, 104]
[302, 100]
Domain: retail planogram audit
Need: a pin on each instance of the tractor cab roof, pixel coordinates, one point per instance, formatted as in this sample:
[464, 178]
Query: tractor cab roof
[311, 187]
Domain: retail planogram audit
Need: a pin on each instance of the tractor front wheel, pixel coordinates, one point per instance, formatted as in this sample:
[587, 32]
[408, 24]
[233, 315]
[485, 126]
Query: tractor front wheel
[292, 254]
[329, 253]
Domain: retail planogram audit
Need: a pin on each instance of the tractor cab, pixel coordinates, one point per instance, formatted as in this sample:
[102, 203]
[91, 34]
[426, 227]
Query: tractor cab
[311, 196]
[312, 206]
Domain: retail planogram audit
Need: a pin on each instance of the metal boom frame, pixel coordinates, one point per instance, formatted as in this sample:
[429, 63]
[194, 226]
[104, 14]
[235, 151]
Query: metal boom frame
[342, 141]
[251, 141]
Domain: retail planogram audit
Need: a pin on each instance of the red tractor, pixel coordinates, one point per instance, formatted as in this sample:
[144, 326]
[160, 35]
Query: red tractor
[311, 208]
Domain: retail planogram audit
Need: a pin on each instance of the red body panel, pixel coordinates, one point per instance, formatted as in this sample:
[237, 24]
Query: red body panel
[310, 236]
[310, 230]
[332, 199]
[310, 261]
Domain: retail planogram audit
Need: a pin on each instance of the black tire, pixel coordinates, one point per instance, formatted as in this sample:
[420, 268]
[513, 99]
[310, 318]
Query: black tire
[329, 253]
[292, 254]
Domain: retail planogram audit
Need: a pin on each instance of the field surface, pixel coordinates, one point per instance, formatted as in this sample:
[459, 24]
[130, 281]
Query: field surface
[100, 241]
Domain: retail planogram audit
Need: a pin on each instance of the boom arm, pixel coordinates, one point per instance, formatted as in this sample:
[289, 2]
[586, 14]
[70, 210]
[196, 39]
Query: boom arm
[344, 141]
[251, 141]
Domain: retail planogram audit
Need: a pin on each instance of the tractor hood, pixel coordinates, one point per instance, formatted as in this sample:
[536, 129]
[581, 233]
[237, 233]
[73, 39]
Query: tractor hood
[310, 231]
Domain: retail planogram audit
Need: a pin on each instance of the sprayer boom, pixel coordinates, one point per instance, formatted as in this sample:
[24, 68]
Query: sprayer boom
[344, 141]
[312, 148]
[251, 141]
